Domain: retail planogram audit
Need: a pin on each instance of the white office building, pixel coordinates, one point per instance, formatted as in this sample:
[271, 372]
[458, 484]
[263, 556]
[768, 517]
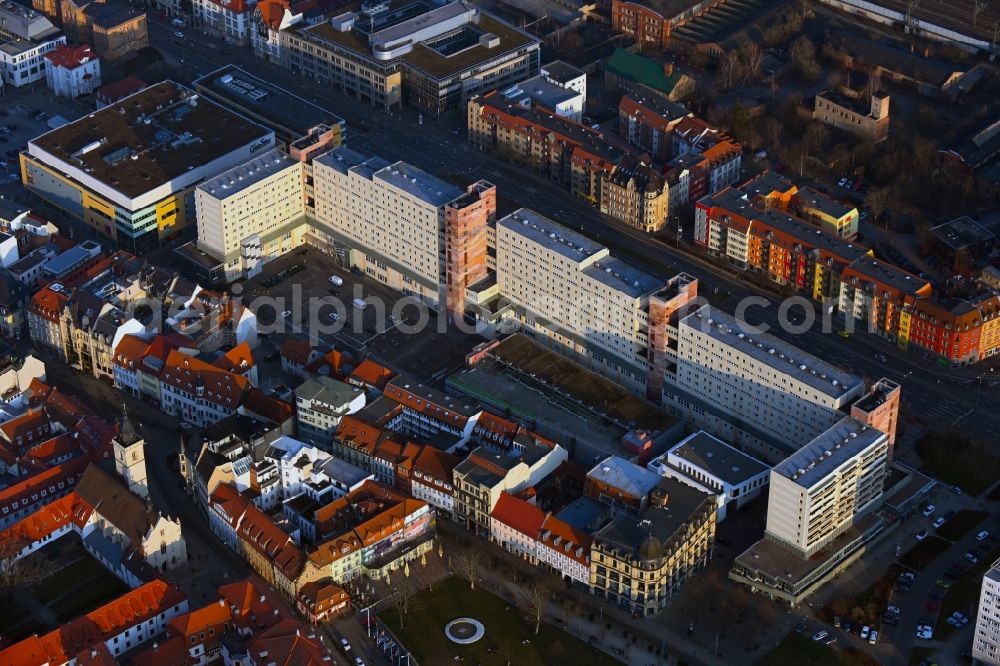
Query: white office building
[25, 37]
[821, 490]
[710, 465]
[986, 641]
[565, 287]
[756, 381]
[252, 213]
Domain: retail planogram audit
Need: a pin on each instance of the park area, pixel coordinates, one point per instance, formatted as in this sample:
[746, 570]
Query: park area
[946, 455]
[509, 635]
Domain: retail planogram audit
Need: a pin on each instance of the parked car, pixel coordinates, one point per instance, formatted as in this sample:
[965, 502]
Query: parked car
[836, 621]
[925, 631]
[344, 644]
[929, 510]
[942, 583]
[921, 535]
[983, 536]
[820, 635]
[906, 577]
[939, 522]
[179, 35]
[971, 558]
[960, 617]
[864, 631]
[847, 627]
[842, 182]
[802, 628]
[956, 490]
[873, 637]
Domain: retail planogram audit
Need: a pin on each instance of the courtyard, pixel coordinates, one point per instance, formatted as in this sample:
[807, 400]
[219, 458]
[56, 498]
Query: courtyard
[509, 636]
[75, 584]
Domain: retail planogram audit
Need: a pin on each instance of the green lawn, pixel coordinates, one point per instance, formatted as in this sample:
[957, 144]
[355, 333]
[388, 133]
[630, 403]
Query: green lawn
[924, 553]
[67, 578]
[797, 650]
[947, 454]
[78, 588]
[963, 595]
[959, 526]
[86, 598]
[506, 627]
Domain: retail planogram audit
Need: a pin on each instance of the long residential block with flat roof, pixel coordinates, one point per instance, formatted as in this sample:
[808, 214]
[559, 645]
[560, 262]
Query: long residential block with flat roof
[129, 170]
[756, 381]
[395, 220]
[432, 56]
[570, 289]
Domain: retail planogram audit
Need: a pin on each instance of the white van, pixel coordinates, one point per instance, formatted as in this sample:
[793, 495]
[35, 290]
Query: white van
[336, 281]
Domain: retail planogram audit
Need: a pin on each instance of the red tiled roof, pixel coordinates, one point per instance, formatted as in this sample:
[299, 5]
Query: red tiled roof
[271, 12]
[239, 359]
[130, 352]
[171, 652]
[34, 423]
[225, 389]
[259, 531]
[70, 57]
[48, 304]
[330, 364]
[297, 350]
[251, 602]
[52, 449]
[514, 512]
[566, 539]
[230, 502]
[436, 464]
[129, 610]
[268, 407]
[357, 434]
[199, 620]
[47, 481]
[117, 90]
[288, 643]
[48, 519]
[370, 373]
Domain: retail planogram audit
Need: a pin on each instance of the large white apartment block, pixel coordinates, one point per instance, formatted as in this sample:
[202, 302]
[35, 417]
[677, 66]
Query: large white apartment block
[986, 641]
[252, 213]
[569, 289]
[708, 464]
[25, 37]
[822, 489]
[390, 216]
[756, 380]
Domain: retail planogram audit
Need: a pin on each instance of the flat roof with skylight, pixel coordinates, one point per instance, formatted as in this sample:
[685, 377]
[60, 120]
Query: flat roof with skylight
[812, 463]
[774, 352]
[150, 144]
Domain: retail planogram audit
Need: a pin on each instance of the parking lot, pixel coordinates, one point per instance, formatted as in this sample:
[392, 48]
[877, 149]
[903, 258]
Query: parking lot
[308, 303]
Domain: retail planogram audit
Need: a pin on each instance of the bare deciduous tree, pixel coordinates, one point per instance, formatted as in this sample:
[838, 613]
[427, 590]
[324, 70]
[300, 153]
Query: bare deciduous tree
[753, 59]
[21, 571]
[538, 595]
[730, 70]
[469, 561]
[404, 599]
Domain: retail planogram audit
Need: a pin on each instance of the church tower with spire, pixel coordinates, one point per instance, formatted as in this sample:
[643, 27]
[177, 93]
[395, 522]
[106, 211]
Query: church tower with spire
[130, 458]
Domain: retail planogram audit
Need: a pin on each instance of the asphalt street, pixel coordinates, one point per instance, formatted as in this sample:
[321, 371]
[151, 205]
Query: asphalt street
[940, 396]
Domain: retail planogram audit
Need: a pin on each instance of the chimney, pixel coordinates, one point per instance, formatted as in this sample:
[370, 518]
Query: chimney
[668, 68]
